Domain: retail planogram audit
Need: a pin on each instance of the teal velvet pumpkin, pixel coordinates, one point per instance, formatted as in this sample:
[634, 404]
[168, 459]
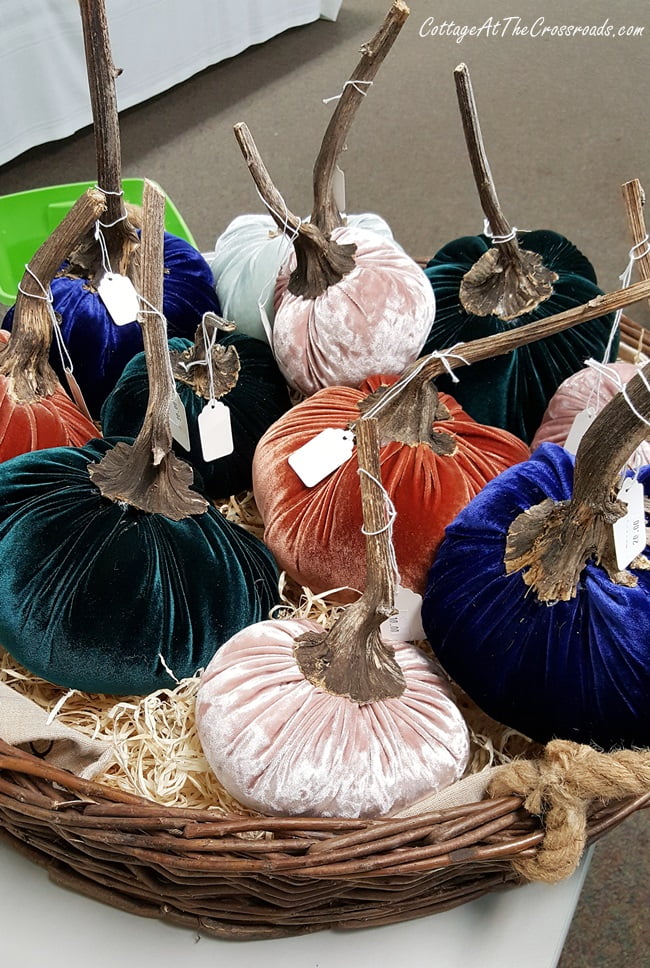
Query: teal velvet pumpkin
[512, 391]
[257, 400]
[99, 596]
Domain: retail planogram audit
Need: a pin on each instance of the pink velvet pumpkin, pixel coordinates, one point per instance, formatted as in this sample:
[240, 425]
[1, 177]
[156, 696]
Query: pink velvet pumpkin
[584, 389]
[282, 746]
[376, 319]
[315, 532]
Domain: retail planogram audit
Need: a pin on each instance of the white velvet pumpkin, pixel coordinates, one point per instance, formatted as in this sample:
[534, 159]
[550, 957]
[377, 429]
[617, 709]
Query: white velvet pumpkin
[282, 746]
[247, 259]
[575, 394]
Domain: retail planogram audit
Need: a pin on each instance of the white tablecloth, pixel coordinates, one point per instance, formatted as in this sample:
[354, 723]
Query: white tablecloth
[157, 43]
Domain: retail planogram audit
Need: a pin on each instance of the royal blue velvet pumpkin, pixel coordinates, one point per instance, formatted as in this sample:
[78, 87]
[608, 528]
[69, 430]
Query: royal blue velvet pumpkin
[513, 391]
[99, 348]
[576, 669]
[259, 397]
[99, 596]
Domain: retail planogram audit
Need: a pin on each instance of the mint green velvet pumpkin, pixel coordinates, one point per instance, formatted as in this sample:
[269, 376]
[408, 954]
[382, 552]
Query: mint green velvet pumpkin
[99, 596]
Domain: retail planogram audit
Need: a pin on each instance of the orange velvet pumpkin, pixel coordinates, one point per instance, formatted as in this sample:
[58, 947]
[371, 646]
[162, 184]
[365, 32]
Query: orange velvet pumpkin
[49, 421]
[315, 532]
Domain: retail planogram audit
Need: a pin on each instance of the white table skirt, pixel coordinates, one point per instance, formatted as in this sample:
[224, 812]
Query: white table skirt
[45, 924]
[157, 43]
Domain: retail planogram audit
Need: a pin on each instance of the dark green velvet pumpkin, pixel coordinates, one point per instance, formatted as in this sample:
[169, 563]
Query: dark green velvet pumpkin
[99, 596]
[513, 391]
[259, 397]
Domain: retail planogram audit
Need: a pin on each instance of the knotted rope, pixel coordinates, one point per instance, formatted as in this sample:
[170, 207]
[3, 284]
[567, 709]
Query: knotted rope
[559, 788]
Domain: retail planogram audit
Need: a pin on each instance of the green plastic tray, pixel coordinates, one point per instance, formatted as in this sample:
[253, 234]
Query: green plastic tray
[28, 218]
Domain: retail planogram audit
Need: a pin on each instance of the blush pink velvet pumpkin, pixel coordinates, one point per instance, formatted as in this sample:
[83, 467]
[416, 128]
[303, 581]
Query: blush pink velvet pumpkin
[282, 746]
[315, 532]
[585, 388]
[375, 320]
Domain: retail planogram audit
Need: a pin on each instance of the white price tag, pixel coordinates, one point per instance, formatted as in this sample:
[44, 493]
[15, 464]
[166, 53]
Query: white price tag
[629, 531]
[178, 423]
[215, 431]
[338, 189]
[322, 455]
[120, 298]
[581, 424]
[406, 624]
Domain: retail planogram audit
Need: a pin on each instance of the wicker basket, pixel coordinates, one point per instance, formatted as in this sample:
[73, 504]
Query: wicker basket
[247, 877]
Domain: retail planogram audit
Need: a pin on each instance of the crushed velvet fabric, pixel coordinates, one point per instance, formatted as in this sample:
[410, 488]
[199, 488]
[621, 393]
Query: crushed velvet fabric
[315, 532]
[247, 260]
[586, 388]
[259, 398]
[98, 596]
[48, 422]
[375, 320]
[512, 391]
[576, 670]
[100, 349]
[283, 746]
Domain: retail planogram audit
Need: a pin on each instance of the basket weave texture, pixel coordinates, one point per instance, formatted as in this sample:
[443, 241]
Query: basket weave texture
[247, 877]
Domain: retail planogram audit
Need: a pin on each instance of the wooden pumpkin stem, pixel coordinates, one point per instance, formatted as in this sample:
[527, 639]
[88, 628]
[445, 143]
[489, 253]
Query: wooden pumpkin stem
[147, 474]
[634, 199]
[553, 541]
[320, 262]
[507, 281]
[24, 359]
[120, 236]
[325, 214]
[409, 415]
[351, 659]
[189, 367]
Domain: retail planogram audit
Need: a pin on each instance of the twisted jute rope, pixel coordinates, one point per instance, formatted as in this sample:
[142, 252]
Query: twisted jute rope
[559, 788]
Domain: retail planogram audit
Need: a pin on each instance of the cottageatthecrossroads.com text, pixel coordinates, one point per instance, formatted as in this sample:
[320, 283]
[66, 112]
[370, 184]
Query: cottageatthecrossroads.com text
[518, 27]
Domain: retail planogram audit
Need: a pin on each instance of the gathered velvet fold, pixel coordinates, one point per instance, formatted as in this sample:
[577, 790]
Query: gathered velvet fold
[315, 532]
[375, 320]
[259, 397]
[576, 670]
[512, 391]
[98, 596]
[282, 746]
[100, 349]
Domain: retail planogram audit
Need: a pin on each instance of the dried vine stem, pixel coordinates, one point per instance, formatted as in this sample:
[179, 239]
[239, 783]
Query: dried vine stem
[412, 405]
[634, 199]
[121, 238]
[507, 281]
[147, 474]
[24, 359]
[351, 659]
[325, 213]
[552, 541]
[189, 367]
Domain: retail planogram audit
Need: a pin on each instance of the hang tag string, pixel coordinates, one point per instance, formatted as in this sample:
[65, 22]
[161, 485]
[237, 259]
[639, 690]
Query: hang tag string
[209, 342]
[498, 239]
[615, 378]
[355, 85]
[151, 310]
[289, 236]
[391, 514]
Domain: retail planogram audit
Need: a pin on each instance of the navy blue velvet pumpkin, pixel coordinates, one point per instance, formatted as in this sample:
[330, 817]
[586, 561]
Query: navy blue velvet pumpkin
[100, 349]
[512, 391]
[99, 596]
[576, 670]
[258, 399]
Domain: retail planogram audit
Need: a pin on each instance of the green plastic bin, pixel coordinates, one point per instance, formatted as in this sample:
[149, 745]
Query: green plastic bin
[27, 218]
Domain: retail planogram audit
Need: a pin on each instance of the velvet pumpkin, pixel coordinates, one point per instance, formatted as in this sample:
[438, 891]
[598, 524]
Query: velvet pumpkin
[374, 320]
[258, 398]
[513, 391]
[49, 421]
[248, 256]
[100, 596]
[576, 669]
[586, 388]
[315, 532]
[99, 348]
[282, 746]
